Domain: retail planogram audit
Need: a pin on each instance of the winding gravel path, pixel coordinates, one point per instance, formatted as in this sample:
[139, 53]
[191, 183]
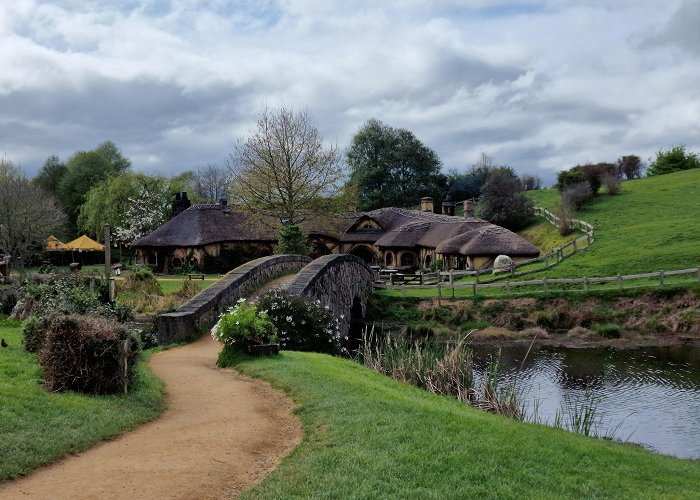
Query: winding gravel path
[221, 434]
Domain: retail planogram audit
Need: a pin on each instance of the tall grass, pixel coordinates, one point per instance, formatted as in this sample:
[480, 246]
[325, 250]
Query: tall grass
[441, 368]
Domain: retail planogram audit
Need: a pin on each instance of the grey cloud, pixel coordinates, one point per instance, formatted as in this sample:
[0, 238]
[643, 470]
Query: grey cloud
[683, 29]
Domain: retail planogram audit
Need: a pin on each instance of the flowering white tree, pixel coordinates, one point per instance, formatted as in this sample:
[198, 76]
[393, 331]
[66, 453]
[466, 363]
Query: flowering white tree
[145, 213]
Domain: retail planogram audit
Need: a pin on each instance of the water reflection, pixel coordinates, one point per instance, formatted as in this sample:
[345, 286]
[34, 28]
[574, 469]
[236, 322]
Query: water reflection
[649, 396]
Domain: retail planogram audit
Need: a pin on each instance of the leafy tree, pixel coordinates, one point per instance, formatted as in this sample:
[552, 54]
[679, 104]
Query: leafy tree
[673, 160]
[283, 168]
[631, 166]
[109, 202]
[567, 178]
[28, 215]
[503, 201]
[531, 182]
[391, 167]
[292, 241]
[51, 173]
[84, 170]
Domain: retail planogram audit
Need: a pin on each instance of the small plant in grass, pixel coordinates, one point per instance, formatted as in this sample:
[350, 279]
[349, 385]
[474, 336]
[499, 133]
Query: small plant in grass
[303, 325]
[244, 325]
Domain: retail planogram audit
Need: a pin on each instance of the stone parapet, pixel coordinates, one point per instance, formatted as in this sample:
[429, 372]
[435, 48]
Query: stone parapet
[205, 308]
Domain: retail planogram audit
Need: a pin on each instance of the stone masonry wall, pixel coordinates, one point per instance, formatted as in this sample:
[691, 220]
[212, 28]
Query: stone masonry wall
[336, 281]
[205, 307]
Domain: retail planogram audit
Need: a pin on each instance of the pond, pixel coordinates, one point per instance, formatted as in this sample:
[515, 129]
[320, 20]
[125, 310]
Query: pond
[649, 396]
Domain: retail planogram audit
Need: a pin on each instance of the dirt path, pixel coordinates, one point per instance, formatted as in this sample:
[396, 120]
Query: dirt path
[221, 434]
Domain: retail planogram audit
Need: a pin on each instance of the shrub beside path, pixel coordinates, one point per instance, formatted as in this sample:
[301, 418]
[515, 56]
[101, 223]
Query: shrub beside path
[221, 434]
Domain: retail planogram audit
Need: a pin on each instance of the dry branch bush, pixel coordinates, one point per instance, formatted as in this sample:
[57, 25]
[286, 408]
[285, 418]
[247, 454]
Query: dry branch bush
[87, 354]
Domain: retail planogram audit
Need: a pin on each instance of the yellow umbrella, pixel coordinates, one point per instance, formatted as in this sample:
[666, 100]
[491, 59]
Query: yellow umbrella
[83, 244]
[53, 244]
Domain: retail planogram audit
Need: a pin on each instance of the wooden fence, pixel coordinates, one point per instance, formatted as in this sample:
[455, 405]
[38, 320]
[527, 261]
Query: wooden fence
[660, 278]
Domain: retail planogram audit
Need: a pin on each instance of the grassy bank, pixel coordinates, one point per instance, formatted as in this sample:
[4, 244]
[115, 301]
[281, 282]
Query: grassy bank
[368, 436]
[38, 427]
[651, 225]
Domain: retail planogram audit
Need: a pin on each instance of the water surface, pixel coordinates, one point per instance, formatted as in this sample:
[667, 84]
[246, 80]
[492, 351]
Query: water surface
[649, 396]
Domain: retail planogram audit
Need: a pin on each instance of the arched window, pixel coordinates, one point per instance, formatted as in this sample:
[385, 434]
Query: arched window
[389, 259]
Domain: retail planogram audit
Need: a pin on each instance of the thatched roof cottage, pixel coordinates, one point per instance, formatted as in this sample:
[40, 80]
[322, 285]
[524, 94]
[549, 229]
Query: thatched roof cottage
[204, 235]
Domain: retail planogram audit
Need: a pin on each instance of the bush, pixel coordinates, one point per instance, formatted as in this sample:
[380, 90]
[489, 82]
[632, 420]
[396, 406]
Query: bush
[86, 354]
[673, 160]
[612, 184]
[567, 178]
[34, 330]
[607, 330]
[577, 195]
[243, 325]
[303, 325]
[565, 212]
[292, 240]
[142, 281]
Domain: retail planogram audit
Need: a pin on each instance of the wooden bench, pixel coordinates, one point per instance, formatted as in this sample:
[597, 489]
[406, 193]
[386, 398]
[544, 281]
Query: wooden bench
[199, 276]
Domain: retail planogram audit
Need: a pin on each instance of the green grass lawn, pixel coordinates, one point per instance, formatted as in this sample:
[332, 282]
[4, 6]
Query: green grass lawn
[38, 427]
[367, 436]
[652, 225]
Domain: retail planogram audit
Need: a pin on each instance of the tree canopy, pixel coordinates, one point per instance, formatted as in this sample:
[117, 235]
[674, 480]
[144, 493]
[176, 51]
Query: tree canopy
[673, 160]
[28, 215]
[502, 200]
[391, 167]
[84, 170]
[283, 168]
[51, 173]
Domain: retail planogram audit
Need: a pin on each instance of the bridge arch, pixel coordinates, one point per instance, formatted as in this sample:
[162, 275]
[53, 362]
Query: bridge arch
[341, 282]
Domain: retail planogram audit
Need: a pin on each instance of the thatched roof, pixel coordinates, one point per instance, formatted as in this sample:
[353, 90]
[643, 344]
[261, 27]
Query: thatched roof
[204, 224]
[487, 240]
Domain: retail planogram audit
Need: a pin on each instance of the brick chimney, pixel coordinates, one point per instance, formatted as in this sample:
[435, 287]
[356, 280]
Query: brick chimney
[426, 204]
[468, 208]
[448, 206]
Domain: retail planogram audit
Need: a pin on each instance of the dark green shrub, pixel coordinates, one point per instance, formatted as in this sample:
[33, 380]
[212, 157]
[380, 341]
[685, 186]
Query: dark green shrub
[438, 313]
[87, 354]
[34, 330]
[416, 331]
[292, 240]
[303, 325]
[607, 330]
[567, 178]
[142, 281]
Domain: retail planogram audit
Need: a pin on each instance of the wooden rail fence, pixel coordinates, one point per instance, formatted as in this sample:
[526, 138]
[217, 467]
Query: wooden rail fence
[660, 278]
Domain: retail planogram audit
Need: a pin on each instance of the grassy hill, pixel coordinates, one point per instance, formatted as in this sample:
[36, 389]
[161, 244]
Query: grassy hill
[368, 436]
[652, 225]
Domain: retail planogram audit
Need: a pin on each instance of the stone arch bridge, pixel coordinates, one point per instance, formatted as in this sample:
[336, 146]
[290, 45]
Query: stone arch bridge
[342, 282]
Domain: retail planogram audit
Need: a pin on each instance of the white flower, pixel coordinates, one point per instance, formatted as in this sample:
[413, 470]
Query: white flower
[238, 322]
[289, 319]
[241, 300]
[342, 316]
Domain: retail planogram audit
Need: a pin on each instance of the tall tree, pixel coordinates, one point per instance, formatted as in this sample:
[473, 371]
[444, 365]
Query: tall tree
[211, 183]
[28, 215]
[468, 185]
[283, 168]
[84, 170]
[391, 167]
[502, 200]
[630, 165]
[51, 173]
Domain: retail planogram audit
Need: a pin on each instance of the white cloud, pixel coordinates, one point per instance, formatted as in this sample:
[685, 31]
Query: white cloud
[540, 85]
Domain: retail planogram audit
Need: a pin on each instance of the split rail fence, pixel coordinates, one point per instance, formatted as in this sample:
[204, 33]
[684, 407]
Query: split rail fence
[546, 285]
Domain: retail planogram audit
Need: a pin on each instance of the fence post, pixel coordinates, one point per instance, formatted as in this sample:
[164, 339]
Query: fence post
[575, 246]
[585, 284]
[477, 275]
[512, 268]
[450, 278]
[619, 281]
[546, 262]
[421, 279]
[588, 237]
[439, 293]
[661, 278]
[403, 289]
[391, 279]
[698, 273]
[474, 288]
[544, 282]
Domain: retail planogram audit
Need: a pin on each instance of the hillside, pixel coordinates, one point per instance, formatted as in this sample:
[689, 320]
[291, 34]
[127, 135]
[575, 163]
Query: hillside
[652, 225]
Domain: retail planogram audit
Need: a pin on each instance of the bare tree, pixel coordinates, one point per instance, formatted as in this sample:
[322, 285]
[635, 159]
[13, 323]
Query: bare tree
[211, 183]
[283, 168]
[28, 215]
[531, 182]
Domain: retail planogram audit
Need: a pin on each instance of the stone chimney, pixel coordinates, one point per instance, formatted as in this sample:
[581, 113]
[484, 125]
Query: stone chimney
[223, 203]
[180, 204]
[468, 208]
[448, 206]
[426, 204]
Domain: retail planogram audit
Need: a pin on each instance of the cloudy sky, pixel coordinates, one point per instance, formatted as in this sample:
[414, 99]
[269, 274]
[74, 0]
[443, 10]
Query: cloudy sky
[539, 85]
